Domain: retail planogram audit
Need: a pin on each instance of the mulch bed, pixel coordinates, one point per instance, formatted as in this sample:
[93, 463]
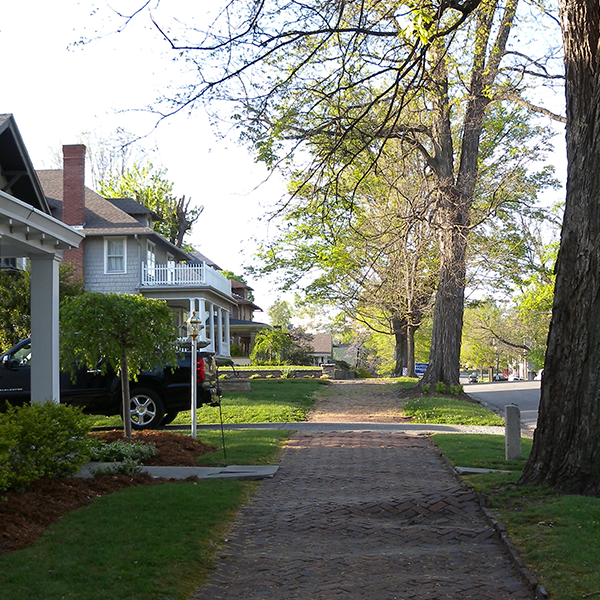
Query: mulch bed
[26, 514]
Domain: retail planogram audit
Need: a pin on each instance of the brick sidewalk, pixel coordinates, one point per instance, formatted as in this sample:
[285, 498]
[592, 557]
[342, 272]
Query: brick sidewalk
[362, 515]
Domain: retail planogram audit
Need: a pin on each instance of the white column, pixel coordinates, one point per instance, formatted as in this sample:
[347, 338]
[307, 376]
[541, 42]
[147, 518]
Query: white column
[219, 348]
[227, 334]
[211, 323]
[202, 316]
[45, 363]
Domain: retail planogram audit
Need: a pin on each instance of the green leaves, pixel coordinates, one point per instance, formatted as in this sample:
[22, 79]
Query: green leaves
[100, 330]
[151, 188]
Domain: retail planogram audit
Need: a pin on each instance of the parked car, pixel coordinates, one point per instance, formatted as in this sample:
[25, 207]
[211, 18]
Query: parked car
[473, 378]
[156, 397]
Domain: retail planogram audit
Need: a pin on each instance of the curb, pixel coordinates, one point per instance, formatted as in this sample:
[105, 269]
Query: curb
[501, 533]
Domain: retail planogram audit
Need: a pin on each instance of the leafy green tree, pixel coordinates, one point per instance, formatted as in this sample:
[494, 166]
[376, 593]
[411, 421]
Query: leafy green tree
[280, 314]
[15, 301]
[122, 332]
[271, 346]
[337, 82]
[150, 187]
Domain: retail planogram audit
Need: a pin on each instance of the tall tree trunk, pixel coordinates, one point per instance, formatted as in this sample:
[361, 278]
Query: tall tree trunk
[566, 446]
[126, 397]
[400, 346]
[410, 349]
[448, 311]
[456, 194]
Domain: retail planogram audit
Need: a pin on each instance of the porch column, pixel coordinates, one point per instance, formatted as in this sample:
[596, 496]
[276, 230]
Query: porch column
[220, 330]
[227, 334]
[45, 364]
[211, 323]
[202, 316]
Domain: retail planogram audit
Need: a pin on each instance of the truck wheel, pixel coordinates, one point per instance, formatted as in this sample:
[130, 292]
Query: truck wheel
[169, 417]
[147, 409]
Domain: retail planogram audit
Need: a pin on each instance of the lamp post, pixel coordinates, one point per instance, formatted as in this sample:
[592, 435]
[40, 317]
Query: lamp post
[194, 326]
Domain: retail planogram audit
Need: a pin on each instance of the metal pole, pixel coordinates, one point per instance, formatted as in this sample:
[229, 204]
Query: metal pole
[193, 361]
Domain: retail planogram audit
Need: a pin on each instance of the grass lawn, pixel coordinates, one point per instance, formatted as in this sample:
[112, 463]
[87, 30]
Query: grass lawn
[143, 543]
[557, 536]
[269, 401]
[446, 410]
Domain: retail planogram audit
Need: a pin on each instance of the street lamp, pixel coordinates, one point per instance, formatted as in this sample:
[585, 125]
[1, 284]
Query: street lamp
[194, 327]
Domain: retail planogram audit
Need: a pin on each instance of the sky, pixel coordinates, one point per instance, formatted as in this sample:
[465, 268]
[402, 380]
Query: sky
[58, 90]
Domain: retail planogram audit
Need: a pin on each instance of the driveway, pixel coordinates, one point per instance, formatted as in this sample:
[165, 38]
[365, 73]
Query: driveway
[525, 394]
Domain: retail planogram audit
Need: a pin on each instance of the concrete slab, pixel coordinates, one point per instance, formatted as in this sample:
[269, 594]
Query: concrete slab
[475, 471]
[230, 472]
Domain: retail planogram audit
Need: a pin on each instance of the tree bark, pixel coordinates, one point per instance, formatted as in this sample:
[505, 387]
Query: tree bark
[400, 347]
[566, 446]
[126, 397]
[455, 193]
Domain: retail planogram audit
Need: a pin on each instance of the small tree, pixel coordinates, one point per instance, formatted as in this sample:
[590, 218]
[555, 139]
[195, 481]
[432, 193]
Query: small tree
[270, 346]
[122, 332]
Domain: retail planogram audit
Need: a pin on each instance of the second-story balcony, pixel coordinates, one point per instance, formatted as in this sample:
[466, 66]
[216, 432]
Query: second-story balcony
[185, 275]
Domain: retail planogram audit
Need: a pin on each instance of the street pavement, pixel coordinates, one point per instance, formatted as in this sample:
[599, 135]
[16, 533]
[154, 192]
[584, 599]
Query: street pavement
[363, 515]
[525, 394]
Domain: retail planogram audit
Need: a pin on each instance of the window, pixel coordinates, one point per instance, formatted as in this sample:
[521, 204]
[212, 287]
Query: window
[151, 260]
[115, 255]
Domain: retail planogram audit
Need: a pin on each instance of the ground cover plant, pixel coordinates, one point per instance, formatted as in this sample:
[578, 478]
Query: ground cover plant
[449, 410]
[557, 536]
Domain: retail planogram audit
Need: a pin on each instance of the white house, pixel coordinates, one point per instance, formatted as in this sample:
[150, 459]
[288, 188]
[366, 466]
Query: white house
[122, 253]
[27, 229]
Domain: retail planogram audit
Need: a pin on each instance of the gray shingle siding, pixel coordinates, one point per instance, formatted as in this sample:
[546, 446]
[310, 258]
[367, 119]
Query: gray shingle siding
[96, 280]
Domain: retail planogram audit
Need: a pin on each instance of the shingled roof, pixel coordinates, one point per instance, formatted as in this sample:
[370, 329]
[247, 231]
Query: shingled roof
[101, 216]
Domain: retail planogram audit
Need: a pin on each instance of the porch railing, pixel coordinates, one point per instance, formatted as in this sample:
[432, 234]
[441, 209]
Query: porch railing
[184, 274]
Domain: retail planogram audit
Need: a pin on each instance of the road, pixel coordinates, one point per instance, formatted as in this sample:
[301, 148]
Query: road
[525, 394]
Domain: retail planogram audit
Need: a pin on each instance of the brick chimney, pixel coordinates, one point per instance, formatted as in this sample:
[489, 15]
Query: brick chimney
[73, 211]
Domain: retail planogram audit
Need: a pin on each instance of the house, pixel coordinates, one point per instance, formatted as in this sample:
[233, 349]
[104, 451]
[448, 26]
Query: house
[122, 253]
[322, 348]
[243, 326]
[28, 230]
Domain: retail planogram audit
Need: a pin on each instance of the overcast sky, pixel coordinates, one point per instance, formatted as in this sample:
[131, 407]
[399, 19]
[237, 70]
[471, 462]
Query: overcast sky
[56, 91]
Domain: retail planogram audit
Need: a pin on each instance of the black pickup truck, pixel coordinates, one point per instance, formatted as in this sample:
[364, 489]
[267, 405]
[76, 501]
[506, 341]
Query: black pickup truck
[156, 397]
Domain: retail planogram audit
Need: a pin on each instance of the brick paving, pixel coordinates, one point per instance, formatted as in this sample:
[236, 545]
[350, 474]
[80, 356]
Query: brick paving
[362, 515]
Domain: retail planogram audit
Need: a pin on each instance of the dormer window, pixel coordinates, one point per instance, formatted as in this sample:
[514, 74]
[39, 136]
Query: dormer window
[115, 255]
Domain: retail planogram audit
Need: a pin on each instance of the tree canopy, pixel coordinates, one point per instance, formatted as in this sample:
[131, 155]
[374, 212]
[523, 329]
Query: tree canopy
[150, 187]
[122, 332]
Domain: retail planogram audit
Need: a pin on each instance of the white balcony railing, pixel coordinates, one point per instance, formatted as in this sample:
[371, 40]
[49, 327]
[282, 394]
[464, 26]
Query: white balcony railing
[184, 274]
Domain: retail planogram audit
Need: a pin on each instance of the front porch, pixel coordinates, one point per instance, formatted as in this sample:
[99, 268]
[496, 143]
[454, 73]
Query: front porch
[194, 287]
[184, 274]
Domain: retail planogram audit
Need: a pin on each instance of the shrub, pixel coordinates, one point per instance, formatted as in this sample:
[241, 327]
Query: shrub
[456, 390]
[364, 373]
[42, 440]
[8, 441]
[288, 374]
[224, 377]
[426, 388]
[255, 376]
[440, 387]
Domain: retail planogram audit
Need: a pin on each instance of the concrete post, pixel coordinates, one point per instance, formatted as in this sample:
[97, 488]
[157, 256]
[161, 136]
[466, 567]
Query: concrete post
[512, 429]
